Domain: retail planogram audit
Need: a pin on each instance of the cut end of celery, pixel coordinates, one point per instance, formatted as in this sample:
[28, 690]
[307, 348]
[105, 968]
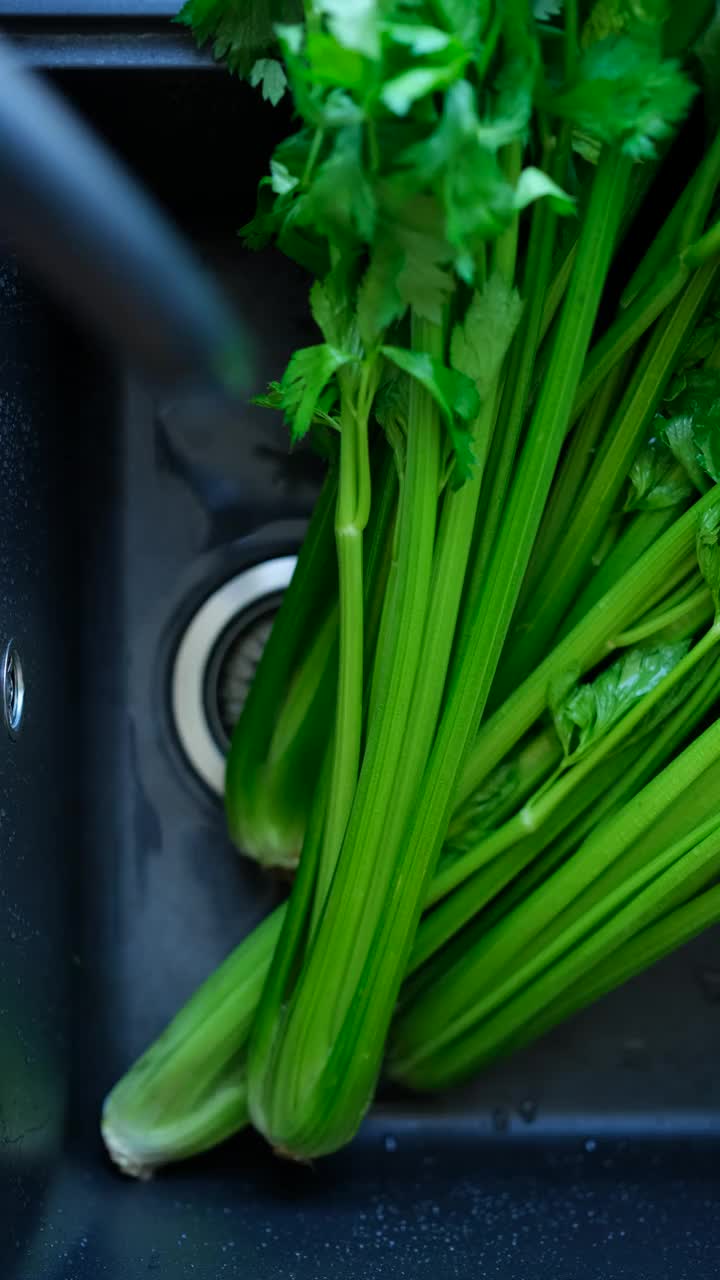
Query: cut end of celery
[128, 1158]
[272, 847]
[283, 1153]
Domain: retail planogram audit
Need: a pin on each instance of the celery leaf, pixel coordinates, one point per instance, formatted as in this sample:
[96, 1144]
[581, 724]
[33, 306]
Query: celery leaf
[308, 373]
[454, 395]
[708, 552]
[625, 95]
[268, 74]
[591, 709]
[479, 344]
[240, 31]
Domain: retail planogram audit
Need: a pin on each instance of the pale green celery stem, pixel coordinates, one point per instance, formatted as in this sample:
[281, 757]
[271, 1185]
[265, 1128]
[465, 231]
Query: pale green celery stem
[298, 1101]
[591, 639]
[642, 178]
[692, 611]
[450, 560]
[531, 766]
[459, 1002]
[353, 509]
[544, 611]
[489, 607]
[304, 687]
[480, 900]
[552, 795]
[188, 1090]
[306, 594]
[265, 1039]
[516, 389]
[570, 477]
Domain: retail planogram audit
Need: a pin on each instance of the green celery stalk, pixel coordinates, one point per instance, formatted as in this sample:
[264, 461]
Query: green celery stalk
[669, 560]
[314, 578]
[545, 610]
[518, 778]
[555, 793]
[516, 392]
[460, 1000]
[678, 620]
[632, 957]
[656, 888]
[631, 325]
[571, 475]
[610, 785]
[323, 1087]
[188, 1091]
[640, 532]
[279, 1099]
[274, 763]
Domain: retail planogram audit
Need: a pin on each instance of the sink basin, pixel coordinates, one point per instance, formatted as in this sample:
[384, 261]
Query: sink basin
[593, 1154]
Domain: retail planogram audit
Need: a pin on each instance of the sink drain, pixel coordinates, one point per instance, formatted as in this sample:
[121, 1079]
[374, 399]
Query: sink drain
[216, 660]
[12, 689]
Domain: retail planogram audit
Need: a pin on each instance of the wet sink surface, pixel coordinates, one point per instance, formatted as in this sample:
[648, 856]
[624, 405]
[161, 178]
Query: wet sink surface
[591, 1154]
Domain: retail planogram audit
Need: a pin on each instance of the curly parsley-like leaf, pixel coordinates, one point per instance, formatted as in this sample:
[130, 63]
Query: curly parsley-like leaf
[464, 172]
[240, 30]
[708, 552]
[693, 431]
[591, 709]
[340, 202]
[308, 373]
[479, 344]
[408, 268]
[455, 396]
[544, 10]
[355, 26]
[268, 74]
[657, 479]
[626, 95]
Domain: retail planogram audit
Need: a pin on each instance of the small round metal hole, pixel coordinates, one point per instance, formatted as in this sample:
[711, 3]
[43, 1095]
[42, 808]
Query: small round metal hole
[216, 659]
[12, 689]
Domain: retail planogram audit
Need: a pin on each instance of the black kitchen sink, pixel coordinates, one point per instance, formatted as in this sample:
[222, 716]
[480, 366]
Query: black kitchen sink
[593, 1154]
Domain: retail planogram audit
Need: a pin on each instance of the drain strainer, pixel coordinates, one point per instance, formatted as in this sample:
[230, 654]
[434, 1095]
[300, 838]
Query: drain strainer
[234, 671]
[217, 658]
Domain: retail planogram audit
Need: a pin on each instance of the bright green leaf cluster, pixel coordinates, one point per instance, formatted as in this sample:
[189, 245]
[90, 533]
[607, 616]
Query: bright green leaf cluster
[593, 707]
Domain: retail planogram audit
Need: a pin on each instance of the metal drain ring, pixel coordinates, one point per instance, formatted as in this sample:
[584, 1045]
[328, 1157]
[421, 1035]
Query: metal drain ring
[195, 652]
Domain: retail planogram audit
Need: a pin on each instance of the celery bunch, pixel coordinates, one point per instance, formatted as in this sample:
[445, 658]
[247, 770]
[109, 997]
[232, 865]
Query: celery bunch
[519, 624]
